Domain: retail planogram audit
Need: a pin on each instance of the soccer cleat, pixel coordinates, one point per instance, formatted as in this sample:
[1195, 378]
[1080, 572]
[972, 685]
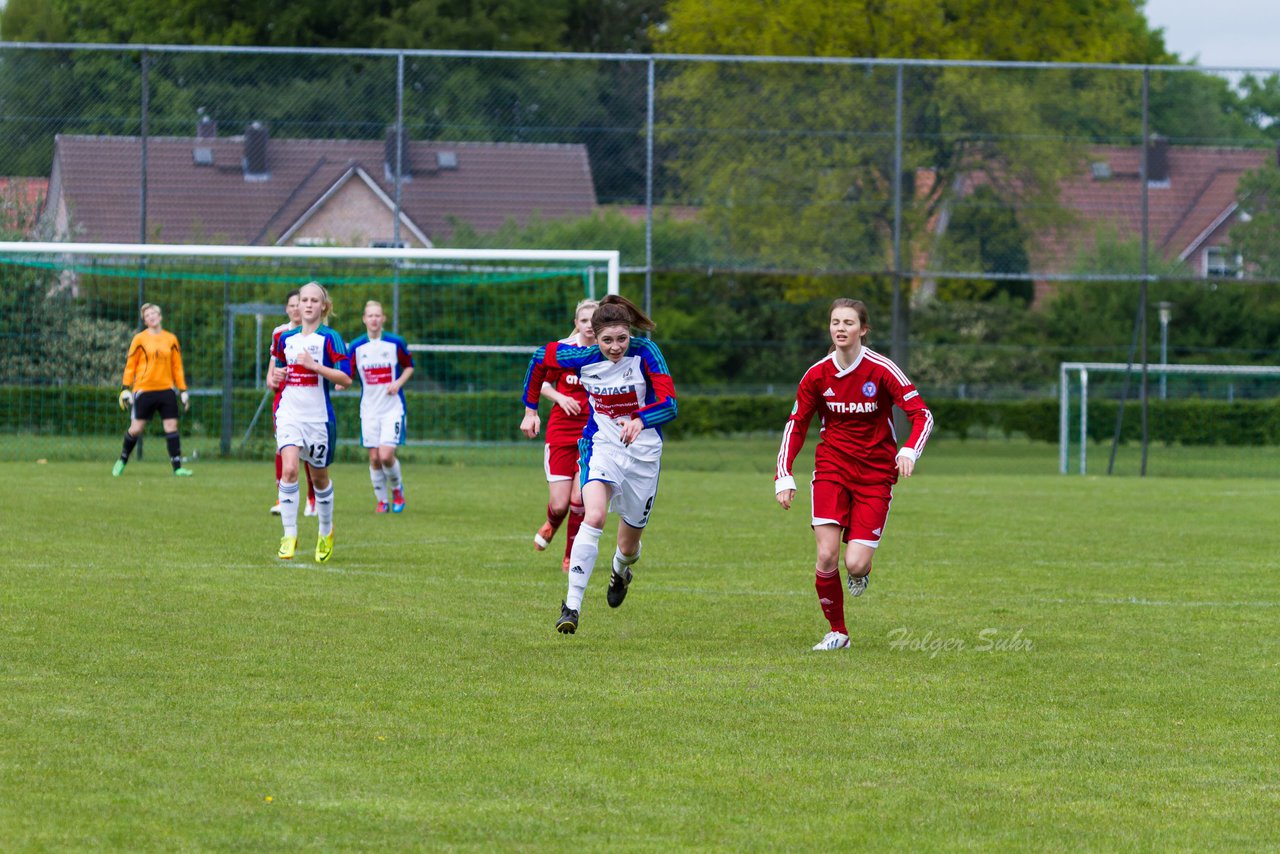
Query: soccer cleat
[275, 509]
[310, 508]
[181, 472]
[568, 622]
[397, 501]
[542, 539]
[617, 590]
[565, 565]
[324, 548]
[382, 507]
[288, 545]
[833, 640]
[857, 584]
[118, 468]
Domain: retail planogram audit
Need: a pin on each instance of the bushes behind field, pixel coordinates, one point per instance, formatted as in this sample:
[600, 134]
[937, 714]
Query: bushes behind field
[495, 416]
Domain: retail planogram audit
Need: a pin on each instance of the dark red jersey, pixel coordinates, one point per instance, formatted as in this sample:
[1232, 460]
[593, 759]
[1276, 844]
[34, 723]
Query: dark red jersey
[563, 428]
[855, 408]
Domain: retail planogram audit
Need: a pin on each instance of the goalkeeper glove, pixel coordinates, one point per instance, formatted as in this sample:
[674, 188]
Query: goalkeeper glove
[126, 398]
[186, 401]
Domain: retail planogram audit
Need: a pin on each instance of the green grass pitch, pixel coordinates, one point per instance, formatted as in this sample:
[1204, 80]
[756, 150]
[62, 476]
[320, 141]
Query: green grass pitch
[1040, 662]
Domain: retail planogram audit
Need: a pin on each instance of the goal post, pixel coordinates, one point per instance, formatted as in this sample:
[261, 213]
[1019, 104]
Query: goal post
[1079, 374]
[471, 317]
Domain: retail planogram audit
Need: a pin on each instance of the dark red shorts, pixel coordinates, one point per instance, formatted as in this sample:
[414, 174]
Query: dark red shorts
[862, 511]
[560, 461]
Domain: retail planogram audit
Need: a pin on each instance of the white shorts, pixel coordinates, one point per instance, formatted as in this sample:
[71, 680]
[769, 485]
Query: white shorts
[315, 439]
[634, 482]
[382, 430]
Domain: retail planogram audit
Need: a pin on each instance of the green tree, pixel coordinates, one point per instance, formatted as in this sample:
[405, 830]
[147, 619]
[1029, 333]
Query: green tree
[794, 163]
[1256, 237]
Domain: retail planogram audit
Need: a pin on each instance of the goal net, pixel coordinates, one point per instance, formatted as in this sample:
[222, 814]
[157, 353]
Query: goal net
[471, 319]
[1202, 420]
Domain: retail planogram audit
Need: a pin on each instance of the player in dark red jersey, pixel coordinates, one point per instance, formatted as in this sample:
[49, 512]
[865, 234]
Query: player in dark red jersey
[857, 461]
[569, 413]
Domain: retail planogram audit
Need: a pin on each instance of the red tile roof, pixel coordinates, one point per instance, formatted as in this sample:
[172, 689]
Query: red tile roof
[1201, 189]
[100, 176]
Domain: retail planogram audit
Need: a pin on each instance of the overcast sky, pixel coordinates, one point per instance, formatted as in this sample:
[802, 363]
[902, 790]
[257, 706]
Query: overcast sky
[1227, 33]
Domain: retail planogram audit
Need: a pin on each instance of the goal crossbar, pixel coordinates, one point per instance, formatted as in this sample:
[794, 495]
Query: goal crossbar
[1081, 370]
[609, 258]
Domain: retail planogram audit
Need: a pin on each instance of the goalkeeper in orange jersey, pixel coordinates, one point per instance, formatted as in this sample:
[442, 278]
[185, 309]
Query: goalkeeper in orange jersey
[152, 372]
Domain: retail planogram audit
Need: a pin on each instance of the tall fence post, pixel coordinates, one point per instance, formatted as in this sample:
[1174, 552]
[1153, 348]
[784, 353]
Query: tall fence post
[899, 342]
[395, 280]
[648, 193]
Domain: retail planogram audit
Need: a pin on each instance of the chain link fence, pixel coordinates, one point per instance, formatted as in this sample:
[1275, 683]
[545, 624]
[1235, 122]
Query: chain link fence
[999, 219]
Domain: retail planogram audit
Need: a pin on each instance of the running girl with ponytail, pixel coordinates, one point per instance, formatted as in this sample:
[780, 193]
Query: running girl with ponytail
[631, 396]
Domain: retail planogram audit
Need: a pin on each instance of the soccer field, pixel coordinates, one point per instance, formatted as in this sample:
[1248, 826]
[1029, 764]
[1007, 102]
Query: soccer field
[1040, 662]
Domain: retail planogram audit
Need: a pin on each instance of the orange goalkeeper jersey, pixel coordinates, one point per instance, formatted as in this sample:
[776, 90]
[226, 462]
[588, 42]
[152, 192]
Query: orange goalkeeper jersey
[155, 362]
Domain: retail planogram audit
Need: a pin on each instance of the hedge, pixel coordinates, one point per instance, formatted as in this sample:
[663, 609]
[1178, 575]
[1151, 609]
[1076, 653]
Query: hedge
[495, 416]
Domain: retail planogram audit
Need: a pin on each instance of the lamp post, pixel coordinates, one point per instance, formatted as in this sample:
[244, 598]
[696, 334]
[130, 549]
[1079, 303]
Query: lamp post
[1165, 308]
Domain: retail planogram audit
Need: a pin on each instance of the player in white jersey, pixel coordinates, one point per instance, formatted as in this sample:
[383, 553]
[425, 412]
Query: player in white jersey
[307, 361]
[295, 319]
[382, 363]
[631, 395]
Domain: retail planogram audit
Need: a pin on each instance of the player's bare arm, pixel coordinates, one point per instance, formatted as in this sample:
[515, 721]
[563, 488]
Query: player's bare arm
[395, 387]
[530, 424]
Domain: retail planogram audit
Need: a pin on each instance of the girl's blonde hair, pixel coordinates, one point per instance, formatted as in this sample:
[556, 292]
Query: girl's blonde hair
[327, 311]
[142, 312]
[369, 303]
[586, 303]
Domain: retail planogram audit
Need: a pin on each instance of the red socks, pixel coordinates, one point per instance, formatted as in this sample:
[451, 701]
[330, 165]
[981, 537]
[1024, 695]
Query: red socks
[554, 519]
[576, 514]
[831, 598]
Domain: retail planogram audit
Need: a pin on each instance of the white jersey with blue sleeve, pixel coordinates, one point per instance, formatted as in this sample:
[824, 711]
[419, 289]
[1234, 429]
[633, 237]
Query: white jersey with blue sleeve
[304, 398]
[638, 385]
[377, 363]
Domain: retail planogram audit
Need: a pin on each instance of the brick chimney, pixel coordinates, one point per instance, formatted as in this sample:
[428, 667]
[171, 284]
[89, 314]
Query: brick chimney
[1157, 160]
[389, 154]
[255, 153]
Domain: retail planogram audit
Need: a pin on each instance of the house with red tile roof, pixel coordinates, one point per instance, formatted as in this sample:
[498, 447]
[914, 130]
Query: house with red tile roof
[257, 190]
[1191, 205]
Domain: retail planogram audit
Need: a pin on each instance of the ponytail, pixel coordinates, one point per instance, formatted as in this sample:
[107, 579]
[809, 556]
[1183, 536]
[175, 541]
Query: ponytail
[616, 310]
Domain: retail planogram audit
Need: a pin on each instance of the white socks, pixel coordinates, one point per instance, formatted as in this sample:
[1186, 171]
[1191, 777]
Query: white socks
[324, 509]
[393, 475]
[621, 561]
[378, 476]
[582, 560]
[288, 496]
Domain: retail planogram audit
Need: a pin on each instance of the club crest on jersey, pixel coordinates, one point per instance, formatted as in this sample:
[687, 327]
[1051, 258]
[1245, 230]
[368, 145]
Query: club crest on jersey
[868, 389]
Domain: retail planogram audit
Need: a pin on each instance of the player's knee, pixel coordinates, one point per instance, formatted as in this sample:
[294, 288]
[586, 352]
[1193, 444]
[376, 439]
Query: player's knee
[858, 565]
[826, 563]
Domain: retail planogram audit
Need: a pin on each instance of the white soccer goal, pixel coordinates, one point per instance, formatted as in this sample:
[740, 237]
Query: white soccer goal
[471, 318]
[1080, 372]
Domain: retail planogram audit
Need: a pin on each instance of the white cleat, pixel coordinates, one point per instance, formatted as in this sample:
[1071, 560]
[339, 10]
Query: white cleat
[310, 509]
[275, 509]
[857, 584]
[833, 640]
